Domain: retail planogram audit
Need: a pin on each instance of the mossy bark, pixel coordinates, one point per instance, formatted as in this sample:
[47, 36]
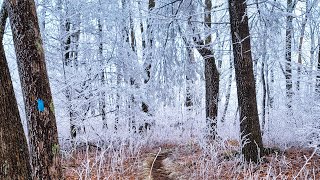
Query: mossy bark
[14, 155]
[43, 136]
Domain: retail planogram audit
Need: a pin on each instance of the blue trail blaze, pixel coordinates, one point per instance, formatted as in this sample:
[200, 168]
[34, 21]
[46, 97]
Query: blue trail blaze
[40, 105]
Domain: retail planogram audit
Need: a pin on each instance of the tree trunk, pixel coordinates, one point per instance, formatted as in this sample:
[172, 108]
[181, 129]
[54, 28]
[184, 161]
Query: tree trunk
[189, 78]
[147, 54]
[288, 69]
[264, 81]
[102, 99]
[211, 72]
[246, 90]
[65, 42]
[43, 135]
[303, 27]
[43, 14]
[318, 70]
[228, 93]
[129, 39]
[14, 155]
[312, 57]
[117, 113]
[211, 77]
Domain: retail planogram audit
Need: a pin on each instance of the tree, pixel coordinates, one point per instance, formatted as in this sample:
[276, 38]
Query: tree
[189, 78]
[147, 45]
[67, 61]
[69, 19]
[302, 32]
[263, 34]
[211, 75]
[246, 90]
[43, 136]
[14, 155]
[130, 43]
[102, 99]
[288, 69]
[228, 93]
[318, 69]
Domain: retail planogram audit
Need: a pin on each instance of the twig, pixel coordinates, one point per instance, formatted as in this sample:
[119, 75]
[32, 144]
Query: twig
[154, 160]
[315, 149]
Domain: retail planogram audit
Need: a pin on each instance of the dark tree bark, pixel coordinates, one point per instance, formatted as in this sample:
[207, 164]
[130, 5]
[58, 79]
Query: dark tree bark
[211, 77]
[264, 80]
[43, 136]
[212, 90]
[14, 155]
[211, 71]
[246, 90]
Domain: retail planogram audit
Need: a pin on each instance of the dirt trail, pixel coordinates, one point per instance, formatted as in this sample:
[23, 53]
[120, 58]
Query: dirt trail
[156, 166]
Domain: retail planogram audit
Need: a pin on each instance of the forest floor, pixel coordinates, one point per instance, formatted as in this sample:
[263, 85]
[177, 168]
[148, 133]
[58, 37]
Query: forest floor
[189, 161]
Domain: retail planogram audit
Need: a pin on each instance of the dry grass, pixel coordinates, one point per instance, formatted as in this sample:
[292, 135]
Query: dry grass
[190, 161]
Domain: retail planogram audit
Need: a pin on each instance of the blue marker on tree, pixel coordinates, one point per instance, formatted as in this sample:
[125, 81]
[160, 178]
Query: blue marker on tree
[40, 105]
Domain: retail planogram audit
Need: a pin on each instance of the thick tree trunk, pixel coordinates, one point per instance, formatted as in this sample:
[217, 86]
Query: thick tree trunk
[246, 90]
[211, 77]
[14, 155]
[212, 91]
[211, 72]
[43, 136]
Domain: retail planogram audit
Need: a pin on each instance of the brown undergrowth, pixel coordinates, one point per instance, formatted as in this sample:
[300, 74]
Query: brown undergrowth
[190, 161]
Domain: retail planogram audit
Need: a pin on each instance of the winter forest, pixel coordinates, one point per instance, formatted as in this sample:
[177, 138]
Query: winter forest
[159, 89]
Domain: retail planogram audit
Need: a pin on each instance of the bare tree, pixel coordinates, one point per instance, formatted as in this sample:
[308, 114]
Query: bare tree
[211, 71]
[318, 69]
[43, 135]
[102, 99]
[288, 56]
[302, 34]
[228, 93]
[246, 90]
[147, 45]
[211, 76]
[14, 155]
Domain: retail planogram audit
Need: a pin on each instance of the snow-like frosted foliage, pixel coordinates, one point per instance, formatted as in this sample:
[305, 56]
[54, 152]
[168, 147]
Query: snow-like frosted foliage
[111, 43]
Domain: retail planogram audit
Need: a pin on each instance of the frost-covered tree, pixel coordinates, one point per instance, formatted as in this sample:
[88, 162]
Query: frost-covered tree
[246, 91]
